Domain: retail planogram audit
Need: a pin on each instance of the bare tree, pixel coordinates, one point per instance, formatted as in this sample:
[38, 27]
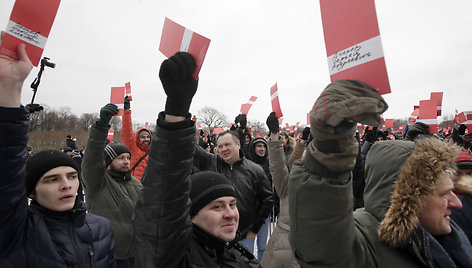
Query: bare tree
[211, 117]
[256, 126]
[87, 119]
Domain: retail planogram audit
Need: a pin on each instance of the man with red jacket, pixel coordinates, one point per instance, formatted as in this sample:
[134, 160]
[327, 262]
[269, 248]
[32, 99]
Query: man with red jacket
[138, 143]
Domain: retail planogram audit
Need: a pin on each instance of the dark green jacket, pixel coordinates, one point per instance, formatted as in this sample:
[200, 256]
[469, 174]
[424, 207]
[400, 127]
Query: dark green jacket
[108, 197]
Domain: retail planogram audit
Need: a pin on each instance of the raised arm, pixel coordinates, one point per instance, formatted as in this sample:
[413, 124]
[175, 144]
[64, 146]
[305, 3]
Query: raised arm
[162, 223]
[14, 126]
[127, 135]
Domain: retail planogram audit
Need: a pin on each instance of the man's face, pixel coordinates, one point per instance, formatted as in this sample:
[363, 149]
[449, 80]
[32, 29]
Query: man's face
[260, 149]
[56, 190]
[247, 139]
[145, 139]
[120, 163]
[462, 172]
[220, 218]
[228, 149]
[438, 207]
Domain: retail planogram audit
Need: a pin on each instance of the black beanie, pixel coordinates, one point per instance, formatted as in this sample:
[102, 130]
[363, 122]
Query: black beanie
[207, 186]
[42, 162]
[113, 150]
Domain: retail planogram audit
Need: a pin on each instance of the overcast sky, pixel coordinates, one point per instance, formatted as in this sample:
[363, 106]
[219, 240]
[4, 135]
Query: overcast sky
[254, 44]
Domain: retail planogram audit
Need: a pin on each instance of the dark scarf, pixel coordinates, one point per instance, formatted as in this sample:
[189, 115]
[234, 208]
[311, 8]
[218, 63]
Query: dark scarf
[119, 176]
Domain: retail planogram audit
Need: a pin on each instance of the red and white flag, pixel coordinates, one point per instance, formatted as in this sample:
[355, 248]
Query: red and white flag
[274, 97]
[177, 38]
[466, 119]
[456, 117]
[199, 127]
[429, 115]
[117, 97]
[30, 23]
[353, 43]
[437, 98]
[246, 106]
[146, 125]
[413, 116]
[128, 91]
[111, 132]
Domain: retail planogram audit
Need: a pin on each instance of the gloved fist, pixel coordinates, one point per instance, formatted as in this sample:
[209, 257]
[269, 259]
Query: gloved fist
[242, 121]
[127, 104]
[179, 86]
[106, 113]
[306, 133]
[272, 123]
[333, 121]
[236, 120]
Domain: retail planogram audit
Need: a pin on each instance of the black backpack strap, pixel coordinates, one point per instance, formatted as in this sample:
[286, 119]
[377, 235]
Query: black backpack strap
[140, 159]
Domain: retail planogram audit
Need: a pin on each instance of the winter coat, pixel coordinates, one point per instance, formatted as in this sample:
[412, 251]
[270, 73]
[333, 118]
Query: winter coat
[278, 253]
[253, 190]
[108, 194]
[33, 236]
[132, 142]
[165, 235]
[326, 233]
[463, 217]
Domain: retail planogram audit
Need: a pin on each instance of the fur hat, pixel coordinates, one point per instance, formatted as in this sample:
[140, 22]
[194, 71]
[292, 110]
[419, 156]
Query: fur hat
[418, 178]
[42, 162]
[207, 186]
[113, 150]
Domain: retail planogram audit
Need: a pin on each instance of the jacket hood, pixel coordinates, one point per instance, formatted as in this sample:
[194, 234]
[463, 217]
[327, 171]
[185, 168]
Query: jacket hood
[251, 152]
[400, 176]
[136, 137]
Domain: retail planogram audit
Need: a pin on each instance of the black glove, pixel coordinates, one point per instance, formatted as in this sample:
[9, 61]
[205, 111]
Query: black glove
[106, 113]
[127, 104]
[272, 123]
[242, 121]
[236, 120]
[179, 86]
[306, 133]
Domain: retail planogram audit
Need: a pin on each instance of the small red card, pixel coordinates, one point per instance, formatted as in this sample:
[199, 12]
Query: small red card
[111, 132]
[246, 106]
[128, 91]
[437, 97]
[30, 23]
[177, 38]
[353, 43]
[274, 96]
[117, 97]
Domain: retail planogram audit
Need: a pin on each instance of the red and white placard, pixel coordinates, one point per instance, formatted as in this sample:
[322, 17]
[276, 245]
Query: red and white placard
[353, 43]
[246, 106]
[146, 125]
[128, 91]
[177, 38]
[414, 116]
[274, 97]
[111, 132]
[117, 97]
[428, 114]
[437, 97]
[30, 23]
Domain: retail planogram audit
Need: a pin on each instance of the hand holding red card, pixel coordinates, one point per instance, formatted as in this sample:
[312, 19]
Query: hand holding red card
[177, 38]
[30, 23]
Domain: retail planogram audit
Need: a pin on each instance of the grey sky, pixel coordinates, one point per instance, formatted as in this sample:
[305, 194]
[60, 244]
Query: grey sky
[103, 43]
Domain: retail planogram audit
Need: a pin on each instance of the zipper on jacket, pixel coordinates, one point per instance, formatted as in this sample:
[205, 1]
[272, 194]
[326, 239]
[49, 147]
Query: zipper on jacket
[90, 250]
[77, 251]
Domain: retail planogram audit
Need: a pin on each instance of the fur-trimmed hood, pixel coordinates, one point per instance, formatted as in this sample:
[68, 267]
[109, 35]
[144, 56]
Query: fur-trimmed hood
[400, 176]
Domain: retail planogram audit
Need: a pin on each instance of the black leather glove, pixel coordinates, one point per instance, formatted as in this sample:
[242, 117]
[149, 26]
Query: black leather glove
[272, 123]
[236, 120]
[106, 113]
[306, 133]
[242, 121]
[127, 104]
[179, 86]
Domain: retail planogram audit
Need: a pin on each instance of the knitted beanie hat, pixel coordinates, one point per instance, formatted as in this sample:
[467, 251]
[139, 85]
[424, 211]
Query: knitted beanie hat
[113, 150]
[207, 186]
[464, 161]
[42, 162]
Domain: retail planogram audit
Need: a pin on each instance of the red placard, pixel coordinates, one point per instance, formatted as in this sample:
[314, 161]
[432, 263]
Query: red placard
[30, 23]
[274, 96]
[437, 98]
[177, 38]
[199, 126]
[246, 106]
[111, 132]
[388, 123]
[128, 91]
[413, 116]
[117, 97]
[428, 114]
[146, 125]
[308, 119]
[218, 130]
[353, 43]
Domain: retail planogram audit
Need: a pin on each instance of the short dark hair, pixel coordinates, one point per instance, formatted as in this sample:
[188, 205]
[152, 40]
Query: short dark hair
[232, 133]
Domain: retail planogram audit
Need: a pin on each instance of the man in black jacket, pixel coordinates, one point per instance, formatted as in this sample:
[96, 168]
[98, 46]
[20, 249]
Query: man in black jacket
[183, 221]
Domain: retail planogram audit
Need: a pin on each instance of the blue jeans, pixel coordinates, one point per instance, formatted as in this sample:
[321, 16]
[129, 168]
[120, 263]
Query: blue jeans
[261, 240]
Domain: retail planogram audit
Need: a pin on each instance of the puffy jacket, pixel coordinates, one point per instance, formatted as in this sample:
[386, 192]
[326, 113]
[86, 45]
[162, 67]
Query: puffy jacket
[278, 253]
[253, 189]
[165, 235]
[108, 194]
[326, 233]
[132, 142]
[32, 236]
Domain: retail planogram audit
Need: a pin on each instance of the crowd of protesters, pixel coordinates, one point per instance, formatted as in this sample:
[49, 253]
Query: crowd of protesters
[177, 198]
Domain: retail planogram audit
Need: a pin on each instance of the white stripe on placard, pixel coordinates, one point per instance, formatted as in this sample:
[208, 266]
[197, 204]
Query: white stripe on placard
[439, 108]
[358, 54]
[468, 122]
[26, 34]
[120, 106]
[428, 121]
[275, 95]
[250, 102]
[186, 40]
